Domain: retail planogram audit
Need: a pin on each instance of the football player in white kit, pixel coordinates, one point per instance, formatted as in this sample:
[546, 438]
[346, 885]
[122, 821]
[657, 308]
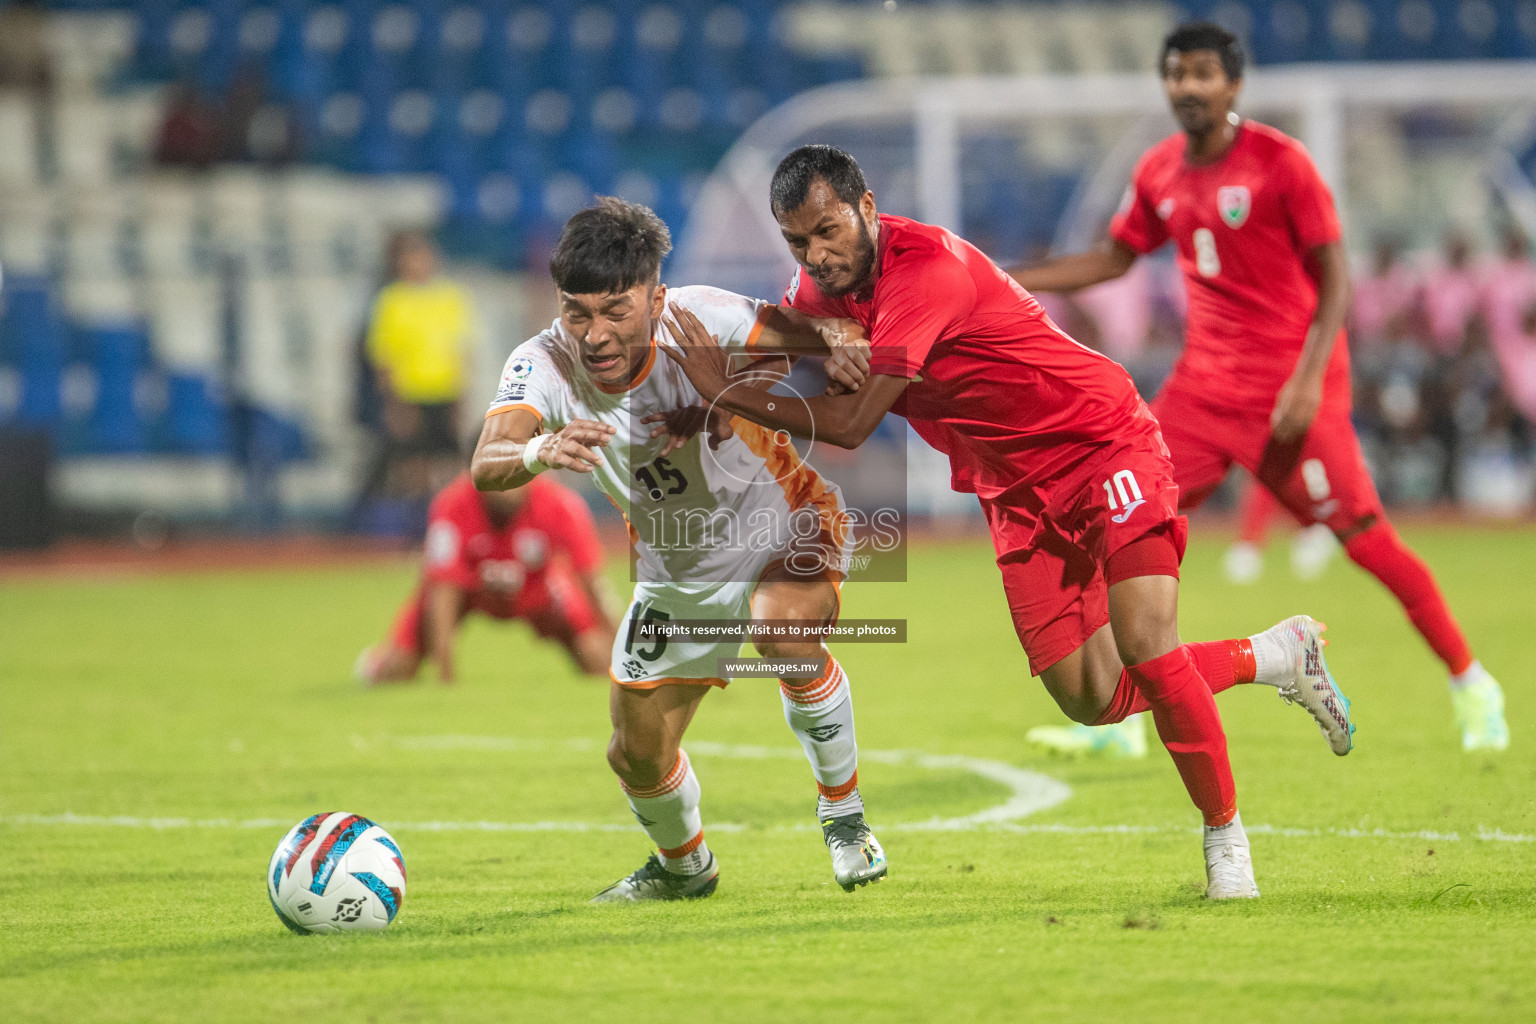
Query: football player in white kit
[727, 524]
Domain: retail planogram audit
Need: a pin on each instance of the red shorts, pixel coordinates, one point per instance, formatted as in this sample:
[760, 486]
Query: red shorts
[558, 609]
[1320, 478]
[1053, 561]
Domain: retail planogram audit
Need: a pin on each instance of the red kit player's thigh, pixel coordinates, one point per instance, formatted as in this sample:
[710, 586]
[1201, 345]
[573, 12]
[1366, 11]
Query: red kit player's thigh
[1324, 478]
[1198, 444]
[1056, 595]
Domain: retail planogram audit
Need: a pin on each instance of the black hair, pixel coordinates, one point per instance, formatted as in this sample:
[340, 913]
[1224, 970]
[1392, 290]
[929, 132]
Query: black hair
[609, 247]
[796, 172]
[1203, 35]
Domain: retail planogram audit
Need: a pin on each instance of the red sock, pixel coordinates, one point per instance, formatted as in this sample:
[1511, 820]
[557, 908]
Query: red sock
[1382, 553]
[1185, 712]
[1221, 663]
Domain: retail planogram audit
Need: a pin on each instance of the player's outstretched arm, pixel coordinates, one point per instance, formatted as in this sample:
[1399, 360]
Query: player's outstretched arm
[512, 452]
[443, 603]
[843, 420]
[1110, 259]
[1297, 404]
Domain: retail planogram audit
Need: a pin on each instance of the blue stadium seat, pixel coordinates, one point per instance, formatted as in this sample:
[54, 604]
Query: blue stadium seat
[118, 353]
[196, 421]
[37, 340]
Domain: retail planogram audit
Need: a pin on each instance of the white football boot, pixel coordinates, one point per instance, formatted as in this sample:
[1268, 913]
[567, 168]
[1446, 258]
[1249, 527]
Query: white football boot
[1479, 704]
[857, 858]
[1308, 681]
[1228, 863]
[1121, 739]
[654, 882]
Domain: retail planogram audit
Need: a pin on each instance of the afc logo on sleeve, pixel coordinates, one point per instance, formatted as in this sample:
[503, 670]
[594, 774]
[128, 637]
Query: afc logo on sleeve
[514, 383]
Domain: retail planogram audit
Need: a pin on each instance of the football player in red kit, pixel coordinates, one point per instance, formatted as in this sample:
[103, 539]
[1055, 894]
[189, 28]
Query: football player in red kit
[529, 554]
[1064, 455]
[1264, 378]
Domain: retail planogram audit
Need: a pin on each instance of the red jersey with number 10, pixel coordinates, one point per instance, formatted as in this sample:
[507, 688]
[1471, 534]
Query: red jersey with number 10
[1245, 227]
[1013, 401]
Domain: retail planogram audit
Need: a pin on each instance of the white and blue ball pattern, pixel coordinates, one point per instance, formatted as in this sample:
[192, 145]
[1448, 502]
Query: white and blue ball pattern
[336, 871]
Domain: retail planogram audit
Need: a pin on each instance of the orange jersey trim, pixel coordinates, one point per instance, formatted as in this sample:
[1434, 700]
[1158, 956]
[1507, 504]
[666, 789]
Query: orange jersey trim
[757, 328]
[801, 484]
[508, 408]
[634, 534]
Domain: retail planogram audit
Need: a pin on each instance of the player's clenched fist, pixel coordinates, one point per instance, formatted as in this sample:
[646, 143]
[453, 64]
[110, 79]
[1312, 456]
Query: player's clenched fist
[572, 447]
[848, 363]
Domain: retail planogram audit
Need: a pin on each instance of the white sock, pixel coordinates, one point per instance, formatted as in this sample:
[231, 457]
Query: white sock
[1232, 832]
[1473, 673]
[669, 813]
[821, 714]
[1272, 664]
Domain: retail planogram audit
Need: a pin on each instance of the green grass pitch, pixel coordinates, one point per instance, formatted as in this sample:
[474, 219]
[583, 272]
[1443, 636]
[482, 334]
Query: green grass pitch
[228, 697]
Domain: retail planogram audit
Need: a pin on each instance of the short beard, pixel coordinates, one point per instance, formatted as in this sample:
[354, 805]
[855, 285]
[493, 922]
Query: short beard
[863, 264]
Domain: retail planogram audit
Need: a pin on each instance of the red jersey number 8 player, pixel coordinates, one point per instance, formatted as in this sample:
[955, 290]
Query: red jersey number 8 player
[1264, 378]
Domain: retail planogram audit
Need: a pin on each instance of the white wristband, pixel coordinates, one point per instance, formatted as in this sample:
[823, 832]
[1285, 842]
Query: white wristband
[532, 450]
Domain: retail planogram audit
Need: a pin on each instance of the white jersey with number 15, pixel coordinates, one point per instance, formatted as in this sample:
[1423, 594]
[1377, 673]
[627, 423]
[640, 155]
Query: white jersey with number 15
[700, 515]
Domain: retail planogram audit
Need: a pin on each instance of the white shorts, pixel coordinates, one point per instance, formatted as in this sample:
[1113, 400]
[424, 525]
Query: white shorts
[640, 662]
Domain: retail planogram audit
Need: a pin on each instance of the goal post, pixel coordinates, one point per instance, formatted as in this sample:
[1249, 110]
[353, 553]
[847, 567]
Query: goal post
[1407, 147]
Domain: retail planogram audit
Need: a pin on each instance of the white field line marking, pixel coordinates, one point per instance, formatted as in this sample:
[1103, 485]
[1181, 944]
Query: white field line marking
[1031, 792]
[1486, 835]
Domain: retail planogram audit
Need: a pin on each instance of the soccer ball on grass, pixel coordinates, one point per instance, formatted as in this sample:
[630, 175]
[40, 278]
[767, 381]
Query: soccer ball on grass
[336, 871]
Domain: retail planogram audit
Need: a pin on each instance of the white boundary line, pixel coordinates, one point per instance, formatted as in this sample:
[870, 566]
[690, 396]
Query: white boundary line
[1030, 793]
[1482, 834]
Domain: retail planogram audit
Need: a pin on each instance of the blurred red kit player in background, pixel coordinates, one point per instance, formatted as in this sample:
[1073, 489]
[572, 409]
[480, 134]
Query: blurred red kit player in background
[1264, 378]
[530, 554]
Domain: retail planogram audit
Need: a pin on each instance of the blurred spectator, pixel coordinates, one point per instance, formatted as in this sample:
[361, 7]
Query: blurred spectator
[1451, 296]
[244, 99]
[1384, 298]
[1509, 309]
[419, 342]
[24, 60]
[190, 134]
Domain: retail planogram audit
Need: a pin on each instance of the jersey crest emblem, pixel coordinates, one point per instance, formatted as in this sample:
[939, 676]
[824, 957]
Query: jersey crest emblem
[1233, 203]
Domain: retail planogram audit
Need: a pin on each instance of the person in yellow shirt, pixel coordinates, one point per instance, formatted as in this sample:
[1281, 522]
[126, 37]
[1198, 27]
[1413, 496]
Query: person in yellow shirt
[419, 344]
